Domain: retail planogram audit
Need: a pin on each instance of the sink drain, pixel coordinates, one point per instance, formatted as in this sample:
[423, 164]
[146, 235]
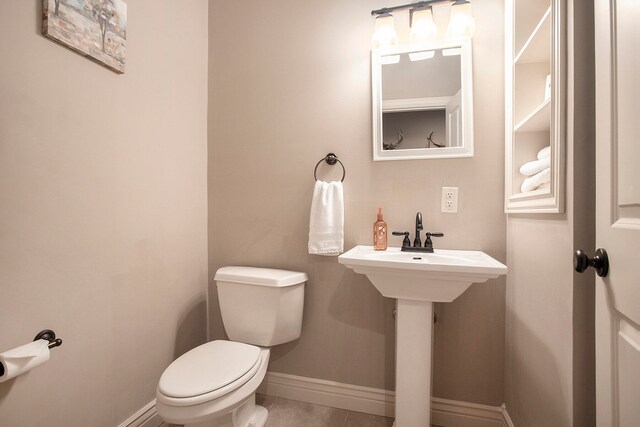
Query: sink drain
[417, 258]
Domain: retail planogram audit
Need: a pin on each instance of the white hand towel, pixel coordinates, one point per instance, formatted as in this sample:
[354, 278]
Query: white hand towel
[326, 222]
[533, 182]
[536, 166]
[544, 153]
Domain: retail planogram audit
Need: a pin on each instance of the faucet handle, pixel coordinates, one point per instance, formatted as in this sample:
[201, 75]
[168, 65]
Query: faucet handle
[428, 244]
[406, 242]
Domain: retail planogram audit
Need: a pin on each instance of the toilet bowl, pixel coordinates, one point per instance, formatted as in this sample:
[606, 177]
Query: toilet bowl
[214, 384]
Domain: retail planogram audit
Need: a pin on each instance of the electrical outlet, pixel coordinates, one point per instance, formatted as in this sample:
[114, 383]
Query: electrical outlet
[450, 199]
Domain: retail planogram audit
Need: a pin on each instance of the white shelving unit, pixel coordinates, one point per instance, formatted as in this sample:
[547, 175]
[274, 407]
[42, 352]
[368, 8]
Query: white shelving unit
[535, 49]
[538, 120]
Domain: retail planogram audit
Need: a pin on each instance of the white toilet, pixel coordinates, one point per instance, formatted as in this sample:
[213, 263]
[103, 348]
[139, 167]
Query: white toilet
[214, 384]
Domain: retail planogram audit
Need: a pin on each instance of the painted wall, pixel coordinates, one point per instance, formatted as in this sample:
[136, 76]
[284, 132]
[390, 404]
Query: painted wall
[102, 212]
[550, 309]
[289, 81]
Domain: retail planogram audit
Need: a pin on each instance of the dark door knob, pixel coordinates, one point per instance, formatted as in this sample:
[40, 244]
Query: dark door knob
[600, 262]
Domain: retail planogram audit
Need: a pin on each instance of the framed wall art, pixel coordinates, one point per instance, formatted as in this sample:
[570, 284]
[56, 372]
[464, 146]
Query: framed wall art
[95, 28]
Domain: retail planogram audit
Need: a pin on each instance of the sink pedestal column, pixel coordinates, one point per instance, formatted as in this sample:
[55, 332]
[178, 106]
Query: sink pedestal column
[414, 331]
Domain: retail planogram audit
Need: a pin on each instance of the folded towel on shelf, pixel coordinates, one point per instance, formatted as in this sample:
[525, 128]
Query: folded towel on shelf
[533, 182]
[544, 153]
[544, 186]
[536, 166]
[326, 221]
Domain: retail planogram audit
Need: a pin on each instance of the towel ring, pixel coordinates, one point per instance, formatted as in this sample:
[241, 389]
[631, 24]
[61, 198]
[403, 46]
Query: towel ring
[331, 159]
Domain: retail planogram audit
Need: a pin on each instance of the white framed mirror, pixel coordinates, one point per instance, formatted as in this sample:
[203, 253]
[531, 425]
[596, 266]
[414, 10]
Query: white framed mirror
[422, 101]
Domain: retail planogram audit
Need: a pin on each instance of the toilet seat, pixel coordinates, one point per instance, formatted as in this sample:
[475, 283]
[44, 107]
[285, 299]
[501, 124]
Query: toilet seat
[205, 407]
[208, 372]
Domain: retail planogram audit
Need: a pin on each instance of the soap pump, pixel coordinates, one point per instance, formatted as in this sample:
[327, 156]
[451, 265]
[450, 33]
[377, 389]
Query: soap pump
[380, 233]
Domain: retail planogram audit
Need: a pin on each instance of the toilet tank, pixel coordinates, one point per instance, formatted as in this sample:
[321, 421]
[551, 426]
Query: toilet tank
[261, 306]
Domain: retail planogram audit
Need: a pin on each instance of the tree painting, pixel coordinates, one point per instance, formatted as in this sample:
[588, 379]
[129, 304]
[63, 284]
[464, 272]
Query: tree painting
[94, 28]
[104, 13]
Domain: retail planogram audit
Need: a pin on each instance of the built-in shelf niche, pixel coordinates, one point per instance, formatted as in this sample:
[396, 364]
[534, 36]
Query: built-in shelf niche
[534, 116]
[537, 120]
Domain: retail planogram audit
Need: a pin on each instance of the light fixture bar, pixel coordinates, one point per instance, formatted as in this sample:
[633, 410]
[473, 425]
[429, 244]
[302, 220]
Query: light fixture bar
[410, 5]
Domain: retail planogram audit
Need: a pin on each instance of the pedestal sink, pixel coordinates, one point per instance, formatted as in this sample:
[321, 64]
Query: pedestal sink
[417, 280]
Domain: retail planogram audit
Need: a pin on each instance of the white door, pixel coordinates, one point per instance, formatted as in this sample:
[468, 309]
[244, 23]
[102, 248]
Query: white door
[618, 211]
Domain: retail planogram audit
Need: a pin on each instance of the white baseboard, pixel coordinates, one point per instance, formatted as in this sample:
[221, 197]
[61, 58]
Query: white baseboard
[329, 393]
[444, 412]
[453, 413]
[507, 418]
[147, 416]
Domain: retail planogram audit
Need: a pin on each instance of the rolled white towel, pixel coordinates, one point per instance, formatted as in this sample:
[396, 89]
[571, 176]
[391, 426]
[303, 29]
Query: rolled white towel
[546, 186]
[544, 153]
[536, 166]
[533, 182]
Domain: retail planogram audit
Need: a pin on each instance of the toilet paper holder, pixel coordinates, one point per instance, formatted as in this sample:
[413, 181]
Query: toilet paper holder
[47, 335]
[50, 336]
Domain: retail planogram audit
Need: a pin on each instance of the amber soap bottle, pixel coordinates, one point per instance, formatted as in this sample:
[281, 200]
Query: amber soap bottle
[380, 233]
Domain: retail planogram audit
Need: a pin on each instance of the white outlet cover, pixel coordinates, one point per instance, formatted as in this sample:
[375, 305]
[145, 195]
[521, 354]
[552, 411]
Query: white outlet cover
[449, 199]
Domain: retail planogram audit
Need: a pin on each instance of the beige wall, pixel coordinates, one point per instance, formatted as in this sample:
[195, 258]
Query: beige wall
[290, 82]
[550, 309]
[102, 212]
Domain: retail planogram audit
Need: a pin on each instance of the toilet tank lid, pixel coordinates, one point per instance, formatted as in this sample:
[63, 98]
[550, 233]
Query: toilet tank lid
[260, 276]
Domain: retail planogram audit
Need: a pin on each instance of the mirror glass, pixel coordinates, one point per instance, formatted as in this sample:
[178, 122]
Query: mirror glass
[422, 102]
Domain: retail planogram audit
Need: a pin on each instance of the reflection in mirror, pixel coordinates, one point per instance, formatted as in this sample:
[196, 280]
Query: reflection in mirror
[419, 92]
[419, 107]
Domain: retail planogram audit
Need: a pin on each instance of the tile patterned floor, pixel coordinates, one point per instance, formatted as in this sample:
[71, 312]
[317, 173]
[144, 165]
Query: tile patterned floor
[291, 413]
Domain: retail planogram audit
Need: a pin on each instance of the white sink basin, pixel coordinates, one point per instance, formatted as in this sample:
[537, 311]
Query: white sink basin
[441, 276]
[418, 280]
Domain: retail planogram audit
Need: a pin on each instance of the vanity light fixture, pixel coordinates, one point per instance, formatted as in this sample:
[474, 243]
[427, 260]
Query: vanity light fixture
[452, 52]
[385, 32]
[390, 59]
[461, 22]
[423, 27]
[421, 56]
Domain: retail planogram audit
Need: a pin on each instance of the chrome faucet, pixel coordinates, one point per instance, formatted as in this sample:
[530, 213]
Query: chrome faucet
[417, 242]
